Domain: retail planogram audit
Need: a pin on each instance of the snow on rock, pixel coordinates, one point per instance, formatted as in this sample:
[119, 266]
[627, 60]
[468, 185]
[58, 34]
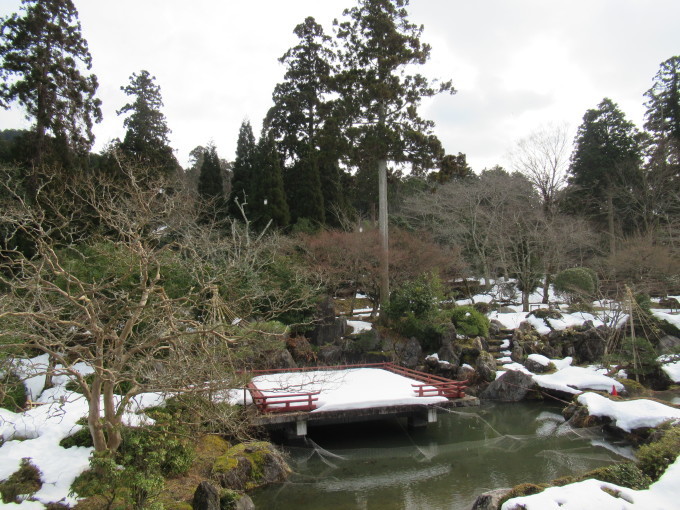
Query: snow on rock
[574, 379]
[544, 361]
[356, 388]
[671, 366]
[359, 326]
[629, 414]
[661, 495]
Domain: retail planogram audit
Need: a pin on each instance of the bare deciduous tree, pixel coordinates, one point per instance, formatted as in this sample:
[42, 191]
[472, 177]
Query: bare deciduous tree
[543, 157]
[145, 297]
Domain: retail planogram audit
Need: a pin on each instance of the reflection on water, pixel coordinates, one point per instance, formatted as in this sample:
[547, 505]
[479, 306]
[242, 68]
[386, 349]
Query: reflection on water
[383, 465]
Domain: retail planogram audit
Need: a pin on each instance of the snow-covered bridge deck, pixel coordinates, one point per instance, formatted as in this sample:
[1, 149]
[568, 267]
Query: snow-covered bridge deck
[295, 399]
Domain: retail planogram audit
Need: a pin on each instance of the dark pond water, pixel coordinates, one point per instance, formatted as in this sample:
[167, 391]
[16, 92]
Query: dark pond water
[383, 465]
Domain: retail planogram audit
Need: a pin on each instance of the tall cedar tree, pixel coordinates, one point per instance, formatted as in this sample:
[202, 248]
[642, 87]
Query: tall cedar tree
[210, 184]
[43, 57]
[241, 188]
[382, 100]
[662, 120]
[146, 138]
[301, 109]
[605, 168]
[269, 198]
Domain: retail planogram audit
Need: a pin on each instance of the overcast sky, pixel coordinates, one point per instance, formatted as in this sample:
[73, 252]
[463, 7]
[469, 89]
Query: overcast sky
[517, 64]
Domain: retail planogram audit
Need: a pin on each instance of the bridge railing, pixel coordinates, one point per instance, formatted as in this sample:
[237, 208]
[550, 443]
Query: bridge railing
[283, 402]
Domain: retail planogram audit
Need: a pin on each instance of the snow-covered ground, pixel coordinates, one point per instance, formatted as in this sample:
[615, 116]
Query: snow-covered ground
[356, 388]
[36, 433]
[589, 494]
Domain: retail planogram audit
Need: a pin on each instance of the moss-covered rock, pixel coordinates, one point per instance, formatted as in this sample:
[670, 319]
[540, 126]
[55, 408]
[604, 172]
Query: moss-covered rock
[655, 457]
[246, 466]
[626, 474]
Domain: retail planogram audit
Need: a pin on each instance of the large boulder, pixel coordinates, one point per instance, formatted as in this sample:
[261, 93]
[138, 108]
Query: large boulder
[490, 500]
[329, 328]
[408, 352]
[669, 344]
[512, 386]
[206, 497]
[250, 465]
[486, 366]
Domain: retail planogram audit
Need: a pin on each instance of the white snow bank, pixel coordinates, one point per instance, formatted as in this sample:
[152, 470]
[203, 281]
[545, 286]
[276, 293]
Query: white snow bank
[662, 495]
[671, 365]
[359, 326]
[574, 379]
[673, 319]
[568, 320]
[356, 388]
[629, 414]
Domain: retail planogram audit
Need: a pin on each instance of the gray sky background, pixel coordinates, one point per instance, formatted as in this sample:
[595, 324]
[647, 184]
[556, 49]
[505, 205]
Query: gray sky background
[517, 64]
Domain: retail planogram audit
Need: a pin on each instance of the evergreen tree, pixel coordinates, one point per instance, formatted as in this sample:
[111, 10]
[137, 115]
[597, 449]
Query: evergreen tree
[244, 166]
[662, 118]
[605, 167]
[269, 199]
[210, 184]
[663, 123]
[381, 99]
[43, 57]
[146, 138]
[297, 119]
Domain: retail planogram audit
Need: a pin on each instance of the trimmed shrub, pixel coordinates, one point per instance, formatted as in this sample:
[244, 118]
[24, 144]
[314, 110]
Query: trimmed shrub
[469, 322]
[577, 283]
[626, 474]
[654, 458]
[419, 297]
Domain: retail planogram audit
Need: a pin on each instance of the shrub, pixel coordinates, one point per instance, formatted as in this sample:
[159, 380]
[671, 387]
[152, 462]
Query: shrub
[12, 393]
[469, 322]
[626, 474]
[26, 480]
[654, 458]
[81, 438]
[577, 283]
[419, 297]
[428, 331]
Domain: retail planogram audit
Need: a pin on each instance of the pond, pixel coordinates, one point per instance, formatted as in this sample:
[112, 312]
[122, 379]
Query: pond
[384, 465]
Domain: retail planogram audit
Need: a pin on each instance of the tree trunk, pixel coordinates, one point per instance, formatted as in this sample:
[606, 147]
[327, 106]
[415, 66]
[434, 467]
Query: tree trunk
[94, 422]
[525, 300]
[111, 420]
[610, 222]
[384, 239]
[546, 289]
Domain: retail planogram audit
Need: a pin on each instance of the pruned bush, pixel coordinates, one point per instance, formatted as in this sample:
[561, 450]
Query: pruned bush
[654, 458]
[419, 297]
[469, 322]
[626, 474]
[577, 284]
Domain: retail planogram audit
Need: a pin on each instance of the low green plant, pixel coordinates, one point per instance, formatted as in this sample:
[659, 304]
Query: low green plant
[469, 322]
[626, 474]
[80, 438]
[12, 393]
[26, 480]
[428, 331]
[654, 458]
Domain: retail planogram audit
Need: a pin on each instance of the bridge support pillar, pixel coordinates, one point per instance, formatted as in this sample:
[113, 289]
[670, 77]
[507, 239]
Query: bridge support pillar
[418, 420]
[298, 429]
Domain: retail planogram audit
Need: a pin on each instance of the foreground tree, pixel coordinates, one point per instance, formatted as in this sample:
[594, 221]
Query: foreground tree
[381, 100]
[44, 56]
[146, 139]
[149, 307]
